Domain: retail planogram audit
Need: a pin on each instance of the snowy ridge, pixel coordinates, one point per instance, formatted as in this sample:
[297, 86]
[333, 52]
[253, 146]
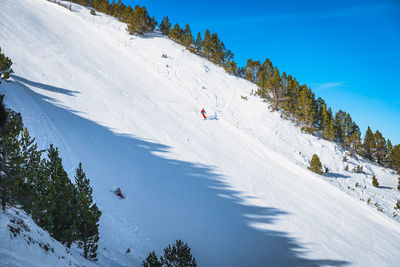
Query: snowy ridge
[235, 187]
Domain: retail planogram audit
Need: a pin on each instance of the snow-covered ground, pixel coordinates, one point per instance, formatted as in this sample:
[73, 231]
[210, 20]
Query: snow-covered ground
[235, 187]
[23, 244]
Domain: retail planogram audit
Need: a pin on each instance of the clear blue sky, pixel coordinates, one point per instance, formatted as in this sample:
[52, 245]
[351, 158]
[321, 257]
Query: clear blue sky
[347, 51]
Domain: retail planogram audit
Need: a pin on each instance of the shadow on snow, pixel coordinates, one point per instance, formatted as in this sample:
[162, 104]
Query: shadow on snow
[167, 199]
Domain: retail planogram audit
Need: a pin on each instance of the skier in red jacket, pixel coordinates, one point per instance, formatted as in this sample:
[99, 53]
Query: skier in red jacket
[118, 193]
[203, 112]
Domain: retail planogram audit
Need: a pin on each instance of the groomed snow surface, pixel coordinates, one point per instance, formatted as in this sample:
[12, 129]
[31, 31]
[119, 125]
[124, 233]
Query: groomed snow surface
[235, 187]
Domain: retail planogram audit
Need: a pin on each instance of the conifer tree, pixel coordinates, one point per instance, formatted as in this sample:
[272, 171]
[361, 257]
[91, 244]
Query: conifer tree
[127, 13]
[87, 218]
[176, 33]
[10, 159]
[315, 164]
[292, 93]
[251, 72]
[231, 67]
[165, 26]
[396, 158]
[319, 105]
[198, 42]
[32, 166]
[274, 86]
[5, 66]
[305, 108]
[331, 134]
[152, 261]
[206, 44]
[216, 49]
[140, 22]
[62, 199]
[260, 74]
[111, 8]
[368, 144]
[379, 152]
[325, 122]
[178, 255]
[119, 9]
[43, 204]
[188, 37]
[389, 154]
[102, 6]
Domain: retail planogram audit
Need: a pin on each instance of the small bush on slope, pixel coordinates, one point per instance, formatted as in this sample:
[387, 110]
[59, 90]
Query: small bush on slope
[375, 181]
[315, 164]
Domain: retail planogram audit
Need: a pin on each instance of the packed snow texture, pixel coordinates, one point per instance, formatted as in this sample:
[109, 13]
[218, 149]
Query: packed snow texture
[235, 187]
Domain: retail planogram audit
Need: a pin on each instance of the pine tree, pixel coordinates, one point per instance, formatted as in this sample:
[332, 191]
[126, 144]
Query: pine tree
[292, 94]
[176, 33]
[231, 67]
[43, 204]
[379, 148]
[127, 13]
[62, 199]
[178, 255]
[165, 26]
[206, 44]
[88, 215]
[251, 72]
[152, 261]
[275, 87]
[315, 164]
[198, 42]
[188, 37]
[389, 154]
[5, 66]
[140, 21]
[396, 158]
[216, 49]
[119, 9]
[375, 181]
[368, 144]
[331, 132]
[305, 109]
[32, 165]
[325, 122]
[10, 159]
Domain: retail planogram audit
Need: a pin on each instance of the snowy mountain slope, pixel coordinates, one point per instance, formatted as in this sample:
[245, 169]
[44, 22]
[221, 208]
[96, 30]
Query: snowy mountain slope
[235, 187]
[23, 243]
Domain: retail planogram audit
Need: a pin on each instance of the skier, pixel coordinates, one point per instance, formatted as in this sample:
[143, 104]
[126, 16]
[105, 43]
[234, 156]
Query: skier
[118, 193]
[203, 112]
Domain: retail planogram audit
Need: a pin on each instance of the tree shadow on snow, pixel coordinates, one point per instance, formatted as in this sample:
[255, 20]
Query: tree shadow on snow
[336, 175]
[44, 86]
[167, 199]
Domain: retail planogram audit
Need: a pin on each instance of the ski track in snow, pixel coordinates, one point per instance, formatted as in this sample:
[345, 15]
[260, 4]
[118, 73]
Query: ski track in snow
[235, 188]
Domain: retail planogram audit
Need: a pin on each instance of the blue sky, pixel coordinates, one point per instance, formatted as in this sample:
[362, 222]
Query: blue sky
[348, 52]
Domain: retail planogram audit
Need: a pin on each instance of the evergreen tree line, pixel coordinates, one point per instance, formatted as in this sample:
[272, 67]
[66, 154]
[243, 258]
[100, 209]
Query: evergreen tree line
[296, 101]
[41, 187]
[137, 19]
